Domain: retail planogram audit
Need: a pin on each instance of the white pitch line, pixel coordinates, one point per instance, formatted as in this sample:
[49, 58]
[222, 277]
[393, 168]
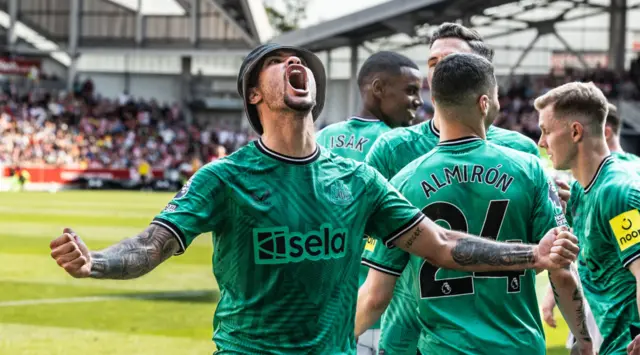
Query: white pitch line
[102, 298]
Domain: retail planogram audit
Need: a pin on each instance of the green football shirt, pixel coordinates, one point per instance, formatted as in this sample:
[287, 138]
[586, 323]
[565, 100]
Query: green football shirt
[391, 153]
[626, 157]
[288, 237]
[352, 139]
[475, 186]
[607, 223]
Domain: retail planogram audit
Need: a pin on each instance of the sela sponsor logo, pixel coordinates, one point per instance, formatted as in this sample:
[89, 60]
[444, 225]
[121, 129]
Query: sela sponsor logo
[626, 228]
[277, 245]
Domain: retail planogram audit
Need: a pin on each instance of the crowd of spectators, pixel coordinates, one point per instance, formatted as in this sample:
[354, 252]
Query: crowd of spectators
[80, 129]
[83, 130]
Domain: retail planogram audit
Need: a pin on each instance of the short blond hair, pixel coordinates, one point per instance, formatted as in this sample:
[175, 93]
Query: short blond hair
[577, 99]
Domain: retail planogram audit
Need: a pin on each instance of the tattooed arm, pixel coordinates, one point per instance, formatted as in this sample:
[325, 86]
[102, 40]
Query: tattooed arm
[136, 256]
[128, 259]
[461, 251]
[570, 301]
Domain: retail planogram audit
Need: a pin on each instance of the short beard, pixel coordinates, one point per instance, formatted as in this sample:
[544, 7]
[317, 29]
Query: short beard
[301, 107]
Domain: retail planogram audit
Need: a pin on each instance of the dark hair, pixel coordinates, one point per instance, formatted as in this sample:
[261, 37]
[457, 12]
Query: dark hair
[613, 119]
[472, 37]
[383, 62]
[461, 77]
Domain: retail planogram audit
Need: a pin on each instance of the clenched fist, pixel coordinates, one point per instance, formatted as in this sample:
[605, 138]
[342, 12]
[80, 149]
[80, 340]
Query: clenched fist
[557, 249]
[71, 254]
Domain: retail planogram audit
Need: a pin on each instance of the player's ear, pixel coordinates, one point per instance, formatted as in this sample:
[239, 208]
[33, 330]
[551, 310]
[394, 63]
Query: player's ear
[484, 104]
[377, 87]
[577, 131]
[255, 97]
[607, 132]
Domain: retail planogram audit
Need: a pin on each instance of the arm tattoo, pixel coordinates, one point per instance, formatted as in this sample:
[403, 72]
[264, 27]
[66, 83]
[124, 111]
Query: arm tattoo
[413, 237]
[475, 251]
[582, 320]
[135, 256]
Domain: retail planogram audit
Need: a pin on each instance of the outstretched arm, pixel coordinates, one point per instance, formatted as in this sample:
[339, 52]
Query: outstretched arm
[461, 251]
[135, 256]
[127, 259]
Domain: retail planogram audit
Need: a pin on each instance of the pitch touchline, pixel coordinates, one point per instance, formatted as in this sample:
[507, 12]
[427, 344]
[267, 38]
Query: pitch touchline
[103, 298]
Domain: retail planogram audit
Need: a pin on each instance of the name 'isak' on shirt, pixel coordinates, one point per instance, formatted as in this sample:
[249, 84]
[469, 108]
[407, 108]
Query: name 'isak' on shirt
[340, 141]
[467, 174]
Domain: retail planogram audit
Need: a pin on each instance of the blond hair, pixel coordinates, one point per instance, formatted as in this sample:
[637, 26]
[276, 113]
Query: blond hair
[583, 100]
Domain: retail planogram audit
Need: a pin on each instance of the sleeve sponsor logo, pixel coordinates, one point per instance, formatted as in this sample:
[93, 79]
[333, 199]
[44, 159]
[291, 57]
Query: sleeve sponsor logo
[561, 220]
[371, 244]
[183, 191]
[170, 208]
[626, 228]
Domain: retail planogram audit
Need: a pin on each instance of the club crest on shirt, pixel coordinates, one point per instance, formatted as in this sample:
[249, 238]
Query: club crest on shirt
[338, 193]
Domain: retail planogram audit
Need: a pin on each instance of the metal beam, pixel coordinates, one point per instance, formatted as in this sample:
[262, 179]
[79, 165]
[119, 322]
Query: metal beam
[13, 18]
[250, 41]
[74, 34]
[139, 24]
[353, 79]
[531, 25]
[571, 50]
[524, 54]
[195, 22]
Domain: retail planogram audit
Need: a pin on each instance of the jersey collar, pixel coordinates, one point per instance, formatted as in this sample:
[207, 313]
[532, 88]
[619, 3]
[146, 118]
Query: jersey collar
[459, 141]
[287, 159]
[362, 119]
[433, 128]
[604, 163]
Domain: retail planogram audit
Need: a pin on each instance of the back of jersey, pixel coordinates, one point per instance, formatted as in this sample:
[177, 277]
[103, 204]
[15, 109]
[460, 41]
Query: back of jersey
[474, 186]
[352, 138]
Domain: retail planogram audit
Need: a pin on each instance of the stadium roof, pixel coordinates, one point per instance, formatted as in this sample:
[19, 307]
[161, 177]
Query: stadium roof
[386, 19]
[168, 25]
[414, 18]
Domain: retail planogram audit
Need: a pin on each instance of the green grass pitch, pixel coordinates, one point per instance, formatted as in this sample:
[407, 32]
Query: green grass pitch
[169, 311]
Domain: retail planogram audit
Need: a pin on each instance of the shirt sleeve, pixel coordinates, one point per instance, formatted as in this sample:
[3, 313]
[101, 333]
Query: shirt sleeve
[378, 257]
[547, 211]
[379, 158]
[391, 214]
[622, 219]
[197, 208]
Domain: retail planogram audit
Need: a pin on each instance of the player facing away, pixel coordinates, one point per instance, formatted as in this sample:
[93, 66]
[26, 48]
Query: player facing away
[392, 152]
[471, 185]
[389, 86]
[287, 220]
[604, 216]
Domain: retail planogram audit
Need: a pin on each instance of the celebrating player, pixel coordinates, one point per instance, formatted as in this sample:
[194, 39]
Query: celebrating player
[471, 185]
[392, 152]
[605, 216]
[287, 221]
[390, 86]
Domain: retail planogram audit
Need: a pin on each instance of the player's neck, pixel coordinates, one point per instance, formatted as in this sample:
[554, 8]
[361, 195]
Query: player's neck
[290, 136]
[614, 146]
[368, 114]
[588, 160]
[451, 128]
